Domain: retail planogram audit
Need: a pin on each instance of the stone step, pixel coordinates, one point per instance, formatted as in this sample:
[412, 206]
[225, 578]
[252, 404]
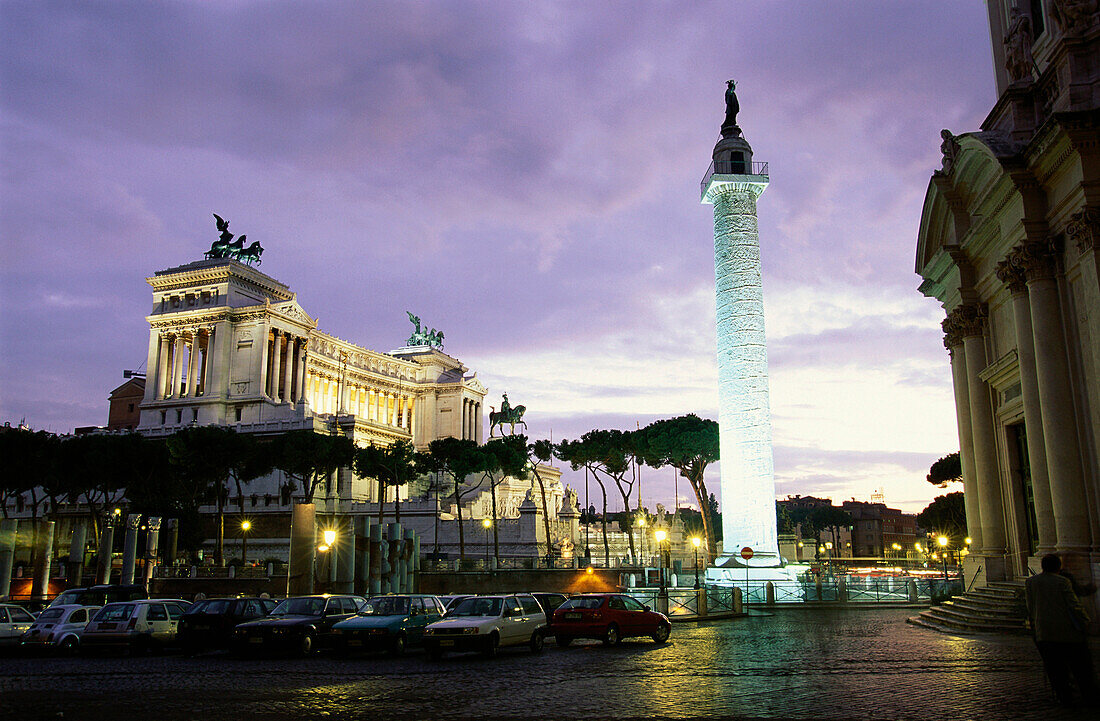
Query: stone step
[972, 625]
[962, 629]
[966, 605]
[961, 616]
[994, 595]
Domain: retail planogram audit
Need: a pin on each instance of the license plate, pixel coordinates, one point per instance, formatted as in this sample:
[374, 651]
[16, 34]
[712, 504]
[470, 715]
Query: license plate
[255, 640]
[572, 617]
[448, 642]
[355, 642]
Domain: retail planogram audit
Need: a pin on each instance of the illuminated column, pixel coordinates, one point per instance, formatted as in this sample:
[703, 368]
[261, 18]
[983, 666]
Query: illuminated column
[1067, 484]
[178, 366]
[193, 365]
[744, 411]
[265, 343]
[288, 372]
[1016, 281]
[954, 344]
[477, 421]
[302, 371]
[276, 356]
[162, 367]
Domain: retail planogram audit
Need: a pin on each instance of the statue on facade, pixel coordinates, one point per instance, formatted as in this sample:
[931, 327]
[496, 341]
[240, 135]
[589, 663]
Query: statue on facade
[507, 414]
[950, 149]
[226, 247]
[1073, 16]
[1017, 42]
[729, 125]
[432, 338]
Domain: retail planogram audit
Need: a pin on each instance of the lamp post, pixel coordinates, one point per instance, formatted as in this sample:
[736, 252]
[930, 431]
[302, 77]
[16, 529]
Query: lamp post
[486, 523]
[660, 535]
[942, 541]
[696, 541]
[246, 526]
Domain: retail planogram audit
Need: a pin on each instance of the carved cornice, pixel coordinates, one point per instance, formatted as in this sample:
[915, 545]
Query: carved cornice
[1083, 229]
[966, 320]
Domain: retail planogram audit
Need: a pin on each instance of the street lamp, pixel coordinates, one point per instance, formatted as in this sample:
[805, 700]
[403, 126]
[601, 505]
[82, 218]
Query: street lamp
[487, 523]
[942, 540]
[246, 526]
[660, 535]
[696, 541]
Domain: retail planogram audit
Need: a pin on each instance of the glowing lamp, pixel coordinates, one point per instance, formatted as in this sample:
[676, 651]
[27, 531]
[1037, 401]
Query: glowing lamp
[246, 525]
[660, 534]
[696, 541]
[589, 570]
[487, 523]
[322, 548]
[330, 537]
[942, 540]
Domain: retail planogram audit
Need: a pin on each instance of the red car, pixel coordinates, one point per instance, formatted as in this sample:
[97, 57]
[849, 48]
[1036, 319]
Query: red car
[608, 617]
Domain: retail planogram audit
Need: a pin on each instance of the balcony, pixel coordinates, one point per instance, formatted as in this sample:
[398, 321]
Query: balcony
[732, 167]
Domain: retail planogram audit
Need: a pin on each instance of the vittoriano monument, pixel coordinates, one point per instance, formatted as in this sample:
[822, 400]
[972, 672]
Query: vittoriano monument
[423, 337]
[226, 247]
[732, 184]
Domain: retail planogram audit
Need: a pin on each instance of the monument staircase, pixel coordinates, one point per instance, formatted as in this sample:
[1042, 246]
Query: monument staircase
[997, 608]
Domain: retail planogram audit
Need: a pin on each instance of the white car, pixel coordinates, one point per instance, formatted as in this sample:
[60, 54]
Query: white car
[486, 623]
[141, 625]
[59, 627]
[14, 622]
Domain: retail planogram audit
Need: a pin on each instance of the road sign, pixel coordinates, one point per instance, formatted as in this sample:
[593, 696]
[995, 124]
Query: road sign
[746, 553]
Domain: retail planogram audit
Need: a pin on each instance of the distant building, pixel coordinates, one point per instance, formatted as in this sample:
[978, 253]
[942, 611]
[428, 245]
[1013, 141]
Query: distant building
[1009, 244]
[877, 528]
[124, 413]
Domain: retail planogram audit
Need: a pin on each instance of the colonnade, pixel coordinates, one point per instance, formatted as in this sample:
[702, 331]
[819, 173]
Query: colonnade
[1054, 454]
[283, 366]
[328, 394]
[471, 419]
[183, 365]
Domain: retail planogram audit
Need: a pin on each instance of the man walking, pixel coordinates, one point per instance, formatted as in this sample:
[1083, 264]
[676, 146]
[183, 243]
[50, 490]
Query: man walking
[1058, 623]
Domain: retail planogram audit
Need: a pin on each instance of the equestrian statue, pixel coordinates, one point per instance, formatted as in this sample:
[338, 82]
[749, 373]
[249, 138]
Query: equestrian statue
[506, 414]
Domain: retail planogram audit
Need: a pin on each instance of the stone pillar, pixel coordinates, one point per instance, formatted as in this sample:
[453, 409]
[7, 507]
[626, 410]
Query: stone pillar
[303, 549]
[218, 361]
[171, 539]
[376, 559]
[152, 541]
[265, 344]
[174, 381]
[344, 554]
[1067, 483]
[1015, 279]
[953, 342]
[154, 380]
[288, 372]
[302, 372]
[412, 560]
[362, 554]
[105, 555]
[75, 571]
[9, 528]
[129, 549]
[43, 558]
[276, 358]
[970, 322]
[193, 365]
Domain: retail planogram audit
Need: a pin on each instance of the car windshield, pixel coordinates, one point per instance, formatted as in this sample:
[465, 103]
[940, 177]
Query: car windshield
[115, 612]
[386, 606]
[300, 607]
[68, 597]
[477, 607]
[218, 605]
[51, 614]
[589, 603]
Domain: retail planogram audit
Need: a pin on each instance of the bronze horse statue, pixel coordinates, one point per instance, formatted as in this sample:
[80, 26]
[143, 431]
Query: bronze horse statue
[511, 417]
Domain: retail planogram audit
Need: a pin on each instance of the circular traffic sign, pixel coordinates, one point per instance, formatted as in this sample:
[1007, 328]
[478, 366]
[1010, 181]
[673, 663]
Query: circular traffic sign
[746, 553]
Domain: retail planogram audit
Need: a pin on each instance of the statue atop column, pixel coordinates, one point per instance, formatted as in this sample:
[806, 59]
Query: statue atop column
[729, 125]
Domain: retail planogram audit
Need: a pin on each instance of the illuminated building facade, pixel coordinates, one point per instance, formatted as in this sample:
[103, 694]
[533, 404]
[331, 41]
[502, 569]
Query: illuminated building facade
[1008, 245]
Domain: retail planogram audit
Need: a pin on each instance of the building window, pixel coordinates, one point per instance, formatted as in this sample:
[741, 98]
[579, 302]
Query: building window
[194, 415]
[254, 498]
[238, 414]
[130, 408]
[163, 417]
[1038, 18]
[179, 415]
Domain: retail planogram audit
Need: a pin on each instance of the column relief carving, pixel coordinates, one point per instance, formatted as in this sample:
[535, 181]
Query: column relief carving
[1083, 229]
[1037, 260]
[1013, 276]
[966, 320]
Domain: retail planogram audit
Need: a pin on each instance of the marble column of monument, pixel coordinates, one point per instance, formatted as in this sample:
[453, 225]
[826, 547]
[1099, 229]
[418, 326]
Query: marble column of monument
[732, 185]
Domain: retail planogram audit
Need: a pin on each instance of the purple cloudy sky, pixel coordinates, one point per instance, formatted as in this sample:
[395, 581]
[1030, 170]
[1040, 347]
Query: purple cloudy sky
[523, 176]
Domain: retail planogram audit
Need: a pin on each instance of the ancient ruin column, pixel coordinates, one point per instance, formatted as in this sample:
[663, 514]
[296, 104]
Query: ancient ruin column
[129, 549]
[75, 570]
[954, 344]
[105, 555]
[276, 356]
[971, 324]
[1067, 486]
[9, 528]
[1015, 279]
[303, 549]
[344, 557]
[43, 559]
[152, 541]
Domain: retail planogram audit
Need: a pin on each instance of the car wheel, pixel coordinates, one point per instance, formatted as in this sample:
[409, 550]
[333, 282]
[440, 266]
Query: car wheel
[537, 642]
[611, 636]
[662, 632]
[69, 646]
[305, 646]
[563, 641]
[398, 646]
[491, 646]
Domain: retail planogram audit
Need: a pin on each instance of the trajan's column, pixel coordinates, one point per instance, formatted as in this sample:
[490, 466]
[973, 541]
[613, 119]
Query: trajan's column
[732, 184]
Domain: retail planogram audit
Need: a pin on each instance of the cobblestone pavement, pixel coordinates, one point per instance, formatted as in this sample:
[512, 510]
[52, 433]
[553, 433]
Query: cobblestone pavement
[796, 664]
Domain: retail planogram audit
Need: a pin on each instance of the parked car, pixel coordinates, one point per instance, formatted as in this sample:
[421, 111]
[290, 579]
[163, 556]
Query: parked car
[609, 617]
[14, 622]
[141, 626]
[550, 603]
[210, 622]
[392, 623]
[486, 623]
[100, 595]
[449, 602]
[58, 628]
[301, 624]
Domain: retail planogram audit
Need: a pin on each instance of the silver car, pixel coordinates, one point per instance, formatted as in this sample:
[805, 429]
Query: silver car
[141, 626]
[14, 622]
[58, 628]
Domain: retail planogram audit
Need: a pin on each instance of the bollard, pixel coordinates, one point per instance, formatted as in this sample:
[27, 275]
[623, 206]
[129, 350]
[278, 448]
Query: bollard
[701, 602]
[303, 550]
[376, 559]
[232, 570]
[842, 589]
[194, 572]
[913, 598]
[631, 580]
[105, 555]
[270, 569]
[817, 585]
[8, 530]
[769, 593]
[738, 604]
[40, 585]
[129, 548]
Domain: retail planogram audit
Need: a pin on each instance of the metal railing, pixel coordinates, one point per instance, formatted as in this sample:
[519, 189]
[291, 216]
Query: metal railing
[732, 167]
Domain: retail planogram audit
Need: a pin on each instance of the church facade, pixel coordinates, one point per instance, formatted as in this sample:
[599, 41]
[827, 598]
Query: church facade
[1008, 245]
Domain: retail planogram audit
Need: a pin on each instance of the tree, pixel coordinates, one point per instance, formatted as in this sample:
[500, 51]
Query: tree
[689, 444]
[393, 465]
[155, 487]
[541, 452]
[504, 457]
[946, 470]
[946, 514]
[456, 459]
[579, 455]
[310, 458]
[831, 518]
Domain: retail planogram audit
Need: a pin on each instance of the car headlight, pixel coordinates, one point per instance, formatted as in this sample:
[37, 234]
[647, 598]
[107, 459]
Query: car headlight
[429, 632]
[470, 630]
